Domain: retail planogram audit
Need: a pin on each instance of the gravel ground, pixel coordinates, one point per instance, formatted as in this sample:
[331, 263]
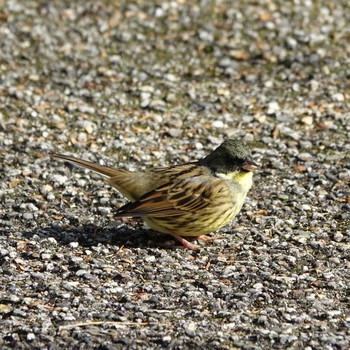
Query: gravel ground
[140, 84]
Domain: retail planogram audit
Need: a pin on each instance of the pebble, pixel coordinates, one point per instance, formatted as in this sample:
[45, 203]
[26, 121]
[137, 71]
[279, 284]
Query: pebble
[46, 256]
[104, 210]
[272, 108]
[305, 207]
[314, 84]
[190, 328]
[338, 97]
[74, 244]
[218, 124]
[198, 146]
[59, 179]
[50, 197]
[305, 156]
[338, 237]
[308, 120]
[5, 309]
[30, 336]
[28, 216]
[175, 132]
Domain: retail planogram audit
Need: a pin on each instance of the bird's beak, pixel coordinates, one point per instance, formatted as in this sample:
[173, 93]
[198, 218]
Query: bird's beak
[249, 165]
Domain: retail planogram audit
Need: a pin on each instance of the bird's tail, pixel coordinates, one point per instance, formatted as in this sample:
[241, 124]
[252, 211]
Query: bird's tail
[100, 169]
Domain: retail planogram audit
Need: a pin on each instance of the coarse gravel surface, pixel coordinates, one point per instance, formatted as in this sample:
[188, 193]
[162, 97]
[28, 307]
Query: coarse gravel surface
[141, 84]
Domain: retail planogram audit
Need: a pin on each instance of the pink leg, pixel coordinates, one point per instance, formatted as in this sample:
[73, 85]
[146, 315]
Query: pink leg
[186, 244]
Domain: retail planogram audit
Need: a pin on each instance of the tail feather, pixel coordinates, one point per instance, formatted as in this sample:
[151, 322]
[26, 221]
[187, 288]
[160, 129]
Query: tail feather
[132, 185]
[100, 169]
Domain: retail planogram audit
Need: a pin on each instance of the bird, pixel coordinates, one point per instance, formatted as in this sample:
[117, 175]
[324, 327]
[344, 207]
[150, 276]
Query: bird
[186, 200]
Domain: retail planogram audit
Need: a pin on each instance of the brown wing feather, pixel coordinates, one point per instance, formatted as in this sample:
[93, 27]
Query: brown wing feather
[187, 195]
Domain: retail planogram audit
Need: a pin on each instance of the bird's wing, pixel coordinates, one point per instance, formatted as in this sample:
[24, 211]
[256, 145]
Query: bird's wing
[187, 195]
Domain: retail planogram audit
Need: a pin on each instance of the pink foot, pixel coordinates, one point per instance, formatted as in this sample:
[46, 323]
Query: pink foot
[186, 244]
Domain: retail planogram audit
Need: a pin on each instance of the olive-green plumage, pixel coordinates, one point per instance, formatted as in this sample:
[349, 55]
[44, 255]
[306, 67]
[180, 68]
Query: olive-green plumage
[192, 199]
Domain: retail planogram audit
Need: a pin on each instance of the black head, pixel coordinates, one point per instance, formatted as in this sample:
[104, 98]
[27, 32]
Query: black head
[231, 155]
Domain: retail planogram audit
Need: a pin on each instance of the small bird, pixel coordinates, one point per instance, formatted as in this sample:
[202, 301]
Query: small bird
[188, 200]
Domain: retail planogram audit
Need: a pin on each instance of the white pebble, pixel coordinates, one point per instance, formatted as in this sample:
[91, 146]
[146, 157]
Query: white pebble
[314, 84]
[305, 156]
[273, 107]
[218, 124]
[60, 179]
[258, 286]
[30, 336]
[198, 145]
[339, 97]
[46, 256]
[74, 244]
[50, 197]
[28, 216]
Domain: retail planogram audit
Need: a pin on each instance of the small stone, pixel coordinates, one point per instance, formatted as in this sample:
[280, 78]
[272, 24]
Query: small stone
[308, 120]
[171, 77]
[147, 88]
[269, 84]
[338, 237]
[46, 188]
[60, 179]
[14, 299]
[328, 275]
[296, 87]
[46, 256]
[50, 197]
[206, 36]
[218, 124]
[224, 92]
[28, 216]
[258, 286]
[150, 258]
[82, 272]
[30, 336]
[32, 207]
[314, 85]
[292, 43]
[166, 339]
[334, 313]
[273, 107]
[334, 260]
[305, 207]
[305, 156]
[175, 132]
[326, 70]
[104, 210]
[191, 328]
[74, 244]
[339, 97]
[5, 309]
[225, 62]
[198, 145]
[3, 252]
[82, 137]
[87, 125]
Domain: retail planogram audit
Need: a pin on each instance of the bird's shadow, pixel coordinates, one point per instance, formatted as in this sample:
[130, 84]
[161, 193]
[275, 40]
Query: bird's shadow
[89, 235]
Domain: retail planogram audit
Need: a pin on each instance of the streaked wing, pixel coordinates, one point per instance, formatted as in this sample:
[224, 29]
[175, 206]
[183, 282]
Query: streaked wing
[187, 195]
